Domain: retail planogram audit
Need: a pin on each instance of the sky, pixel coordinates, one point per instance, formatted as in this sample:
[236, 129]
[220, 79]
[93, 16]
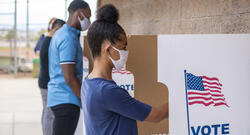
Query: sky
[40, 12]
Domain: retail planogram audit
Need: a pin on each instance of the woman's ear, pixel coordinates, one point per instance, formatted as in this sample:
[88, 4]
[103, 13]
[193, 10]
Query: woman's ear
[106, 46]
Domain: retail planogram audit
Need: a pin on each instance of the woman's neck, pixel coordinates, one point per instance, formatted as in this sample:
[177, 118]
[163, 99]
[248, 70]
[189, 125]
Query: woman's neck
[101, 69]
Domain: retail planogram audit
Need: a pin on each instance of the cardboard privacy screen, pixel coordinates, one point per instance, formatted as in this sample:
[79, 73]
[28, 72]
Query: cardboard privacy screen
[142, 63]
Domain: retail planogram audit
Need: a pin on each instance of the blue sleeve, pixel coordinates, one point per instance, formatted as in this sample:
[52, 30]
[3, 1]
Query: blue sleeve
[39, 43]
[119, 101]
[67, 52]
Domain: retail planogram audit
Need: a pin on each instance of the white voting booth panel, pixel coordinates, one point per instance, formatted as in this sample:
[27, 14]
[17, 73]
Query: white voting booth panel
[221, 63]
[124, 79]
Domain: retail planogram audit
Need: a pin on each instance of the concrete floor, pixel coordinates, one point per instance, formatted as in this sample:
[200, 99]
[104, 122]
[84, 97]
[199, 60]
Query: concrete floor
[20, 106]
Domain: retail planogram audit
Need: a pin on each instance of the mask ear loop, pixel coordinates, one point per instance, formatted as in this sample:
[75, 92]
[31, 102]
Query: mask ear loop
[83, 16]
[114, 49]
[110, 58]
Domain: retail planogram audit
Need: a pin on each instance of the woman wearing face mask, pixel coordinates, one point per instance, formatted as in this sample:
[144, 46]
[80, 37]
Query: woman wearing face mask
[109, 109]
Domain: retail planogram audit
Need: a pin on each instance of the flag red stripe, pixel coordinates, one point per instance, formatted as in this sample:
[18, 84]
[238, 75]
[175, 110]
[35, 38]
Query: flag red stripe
[212, 83]
[200, 102]
[120, 70]
[197, 93]
[207, 104]
[205, 98]
[213, 90]
[218, 104]
[123, 73]
[213, 87]
[211, 79]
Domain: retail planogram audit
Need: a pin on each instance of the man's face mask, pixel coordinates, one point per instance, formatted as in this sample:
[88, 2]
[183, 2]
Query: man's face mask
[119, 64]
[85, 23]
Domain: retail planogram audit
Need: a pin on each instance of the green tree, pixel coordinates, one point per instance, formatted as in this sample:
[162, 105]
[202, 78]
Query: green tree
[10, 35]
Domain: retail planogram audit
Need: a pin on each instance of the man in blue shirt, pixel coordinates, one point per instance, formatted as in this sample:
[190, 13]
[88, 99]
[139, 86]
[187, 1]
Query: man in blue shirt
[65, 69]
[109, 109]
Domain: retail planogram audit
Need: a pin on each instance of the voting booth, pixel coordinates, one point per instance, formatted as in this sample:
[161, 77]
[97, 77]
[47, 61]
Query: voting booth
[204, 78]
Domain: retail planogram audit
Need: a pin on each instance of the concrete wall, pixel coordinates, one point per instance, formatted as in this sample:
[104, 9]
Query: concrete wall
[183, 16]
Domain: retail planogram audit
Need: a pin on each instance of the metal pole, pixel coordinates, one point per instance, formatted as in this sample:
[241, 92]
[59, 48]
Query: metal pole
[27, 31]
[15, 39]
[65, 10]
[185, 72]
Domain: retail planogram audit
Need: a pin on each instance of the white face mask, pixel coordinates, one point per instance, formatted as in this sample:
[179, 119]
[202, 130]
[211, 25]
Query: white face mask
[85, 23]
[119, 64]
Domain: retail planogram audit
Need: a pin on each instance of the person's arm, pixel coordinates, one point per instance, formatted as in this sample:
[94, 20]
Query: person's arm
[158, 113]
[67, 53]
[38, 44]
[71, 79]
[118, 100]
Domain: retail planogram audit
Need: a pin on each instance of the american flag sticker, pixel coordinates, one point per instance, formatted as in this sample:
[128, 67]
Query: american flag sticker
[204, 90]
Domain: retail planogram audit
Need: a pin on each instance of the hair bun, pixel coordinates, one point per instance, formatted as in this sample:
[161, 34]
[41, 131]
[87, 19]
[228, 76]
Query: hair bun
[108, 13]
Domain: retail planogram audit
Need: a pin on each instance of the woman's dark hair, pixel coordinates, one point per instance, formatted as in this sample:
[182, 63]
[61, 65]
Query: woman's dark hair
[77, 4]
[58, 22]
[104, 28]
